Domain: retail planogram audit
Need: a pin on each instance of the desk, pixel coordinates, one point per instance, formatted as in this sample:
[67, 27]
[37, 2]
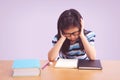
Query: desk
[111, 71]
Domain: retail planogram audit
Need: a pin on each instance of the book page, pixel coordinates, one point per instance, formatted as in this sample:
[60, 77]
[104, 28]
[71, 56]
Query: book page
[66, 63]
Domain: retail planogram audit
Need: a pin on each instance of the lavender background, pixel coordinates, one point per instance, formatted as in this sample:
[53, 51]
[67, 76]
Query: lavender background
[28, 26]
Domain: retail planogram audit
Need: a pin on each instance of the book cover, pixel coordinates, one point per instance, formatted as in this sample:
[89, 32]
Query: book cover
[89, 64]
[26, 63]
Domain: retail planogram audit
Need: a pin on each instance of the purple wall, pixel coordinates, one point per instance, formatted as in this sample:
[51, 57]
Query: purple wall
[28, 26]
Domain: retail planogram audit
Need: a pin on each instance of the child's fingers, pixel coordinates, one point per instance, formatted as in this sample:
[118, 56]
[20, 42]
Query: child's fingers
[82, 23]
[60, 32]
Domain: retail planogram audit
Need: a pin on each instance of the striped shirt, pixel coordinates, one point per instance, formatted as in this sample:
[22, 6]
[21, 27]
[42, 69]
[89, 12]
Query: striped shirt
[75, 51]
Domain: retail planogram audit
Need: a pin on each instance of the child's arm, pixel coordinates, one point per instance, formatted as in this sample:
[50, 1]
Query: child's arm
[89, 49]
[53, 53]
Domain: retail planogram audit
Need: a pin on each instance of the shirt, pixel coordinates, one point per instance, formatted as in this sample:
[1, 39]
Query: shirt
[75, 51]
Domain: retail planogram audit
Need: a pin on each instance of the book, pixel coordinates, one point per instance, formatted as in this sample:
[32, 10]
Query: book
[26, 67]
[89, 64]
[26, 72]
[26, 63]
[78, 64]
[66, 63]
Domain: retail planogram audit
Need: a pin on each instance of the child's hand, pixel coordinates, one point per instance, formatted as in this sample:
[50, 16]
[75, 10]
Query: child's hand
[82, 28]
[62, 36]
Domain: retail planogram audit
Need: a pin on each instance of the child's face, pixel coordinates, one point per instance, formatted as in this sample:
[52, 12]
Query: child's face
[72, 33]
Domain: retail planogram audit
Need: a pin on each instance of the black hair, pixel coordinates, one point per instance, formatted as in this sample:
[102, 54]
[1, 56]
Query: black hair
[67, 19]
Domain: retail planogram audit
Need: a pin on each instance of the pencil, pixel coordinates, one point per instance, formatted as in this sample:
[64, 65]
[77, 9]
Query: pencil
[45, 65]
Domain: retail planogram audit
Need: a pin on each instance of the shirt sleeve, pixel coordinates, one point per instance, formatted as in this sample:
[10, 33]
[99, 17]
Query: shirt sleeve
[54, 40]
[91, 37]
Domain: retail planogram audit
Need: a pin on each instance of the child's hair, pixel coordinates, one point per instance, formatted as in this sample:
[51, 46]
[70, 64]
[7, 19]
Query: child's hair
[68, 19]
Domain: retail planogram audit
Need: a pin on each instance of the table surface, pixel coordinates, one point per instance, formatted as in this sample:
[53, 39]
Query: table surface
[110, 71]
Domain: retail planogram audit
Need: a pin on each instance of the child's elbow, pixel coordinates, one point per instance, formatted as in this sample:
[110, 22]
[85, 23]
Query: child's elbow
[92, 58]
[51, 59]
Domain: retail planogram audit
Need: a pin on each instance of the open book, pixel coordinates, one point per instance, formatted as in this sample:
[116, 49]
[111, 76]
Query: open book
[78, 64]
[66, 63]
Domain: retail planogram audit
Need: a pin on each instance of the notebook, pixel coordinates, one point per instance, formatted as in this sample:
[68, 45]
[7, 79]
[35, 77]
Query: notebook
[66, 63]
[89, 64]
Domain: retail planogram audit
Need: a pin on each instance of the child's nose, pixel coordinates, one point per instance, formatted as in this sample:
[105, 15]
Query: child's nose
[72, 37]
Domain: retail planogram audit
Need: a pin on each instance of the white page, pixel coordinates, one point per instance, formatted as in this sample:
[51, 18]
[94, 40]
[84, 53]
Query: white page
[66, 63]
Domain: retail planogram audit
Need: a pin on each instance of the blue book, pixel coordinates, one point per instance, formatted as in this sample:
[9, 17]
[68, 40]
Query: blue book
[26, 63]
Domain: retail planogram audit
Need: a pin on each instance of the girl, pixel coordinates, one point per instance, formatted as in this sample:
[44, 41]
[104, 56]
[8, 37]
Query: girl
[72, 40]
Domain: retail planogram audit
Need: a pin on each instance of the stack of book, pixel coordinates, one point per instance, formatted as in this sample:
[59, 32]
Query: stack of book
[26, 67]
